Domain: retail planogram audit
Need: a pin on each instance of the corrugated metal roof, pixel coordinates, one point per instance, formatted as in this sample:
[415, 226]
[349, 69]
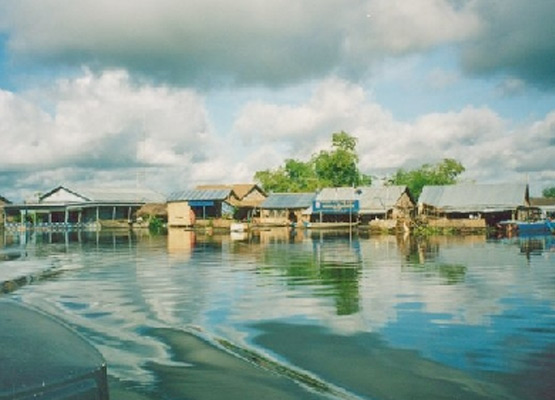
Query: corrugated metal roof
[197, 194]
[333, 194]
[475, 197]
[379, 199]
[288, 201]
[241, 189]
[121, 195]
[63, 195]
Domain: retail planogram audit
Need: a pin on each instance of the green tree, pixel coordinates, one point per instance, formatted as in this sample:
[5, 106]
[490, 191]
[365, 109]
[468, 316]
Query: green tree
[338, 167]
[549, 191]
[334, 168]
[442, 173]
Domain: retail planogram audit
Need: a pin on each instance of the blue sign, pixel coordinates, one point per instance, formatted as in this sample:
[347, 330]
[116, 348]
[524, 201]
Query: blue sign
[335, 206]
[201, 203]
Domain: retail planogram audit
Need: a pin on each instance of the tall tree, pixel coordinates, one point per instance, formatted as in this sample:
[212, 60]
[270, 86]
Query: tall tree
[334, 168]
[442, 173]
[338, 167]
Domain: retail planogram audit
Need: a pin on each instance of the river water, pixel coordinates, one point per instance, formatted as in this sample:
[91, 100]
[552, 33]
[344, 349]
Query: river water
[298, 314]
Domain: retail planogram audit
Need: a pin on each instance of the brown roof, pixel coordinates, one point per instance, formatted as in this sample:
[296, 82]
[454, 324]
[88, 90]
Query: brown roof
[241, 189]
[542, 201]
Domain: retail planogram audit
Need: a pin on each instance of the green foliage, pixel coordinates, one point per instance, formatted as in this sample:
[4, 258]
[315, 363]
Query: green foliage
[443, 173]
[549, 192]
[155, 225]
[334, 168]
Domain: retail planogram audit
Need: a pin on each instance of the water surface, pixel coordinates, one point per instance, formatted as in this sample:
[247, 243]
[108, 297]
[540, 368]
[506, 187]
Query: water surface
[299, 314]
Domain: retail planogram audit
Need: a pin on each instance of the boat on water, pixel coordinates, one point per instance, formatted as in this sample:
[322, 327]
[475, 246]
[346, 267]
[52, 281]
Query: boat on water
[522, 228]
[239, 227]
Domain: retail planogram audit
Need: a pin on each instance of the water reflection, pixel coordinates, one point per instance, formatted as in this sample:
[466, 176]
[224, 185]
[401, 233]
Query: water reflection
[440, 314]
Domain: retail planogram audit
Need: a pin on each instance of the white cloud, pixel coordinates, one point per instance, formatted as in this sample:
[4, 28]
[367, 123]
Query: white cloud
[97, 117]
[399, 27]
[479, 138]
[102, 122]
[108, 128]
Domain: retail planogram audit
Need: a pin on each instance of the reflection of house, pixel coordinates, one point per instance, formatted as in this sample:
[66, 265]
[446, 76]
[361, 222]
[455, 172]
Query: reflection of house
[387, 202]
[282, 209]
[181, 241]
[248, 198]
[200, 204]
[489, 202]
[67, 207]
[3, 201]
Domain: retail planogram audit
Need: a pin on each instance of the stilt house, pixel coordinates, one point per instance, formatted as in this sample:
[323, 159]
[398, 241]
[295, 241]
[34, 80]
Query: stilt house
[64, 207]
[282, 209]
[247, 200]
[490, 202]
[187, 207]
[385, 203]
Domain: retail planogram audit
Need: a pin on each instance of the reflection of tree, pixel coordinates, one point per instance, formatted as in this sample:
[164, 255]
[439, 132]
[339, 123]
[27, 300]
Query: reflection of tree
[333, 268]
[421, 250]
[345, 279]
[422, 258]
[452, 273]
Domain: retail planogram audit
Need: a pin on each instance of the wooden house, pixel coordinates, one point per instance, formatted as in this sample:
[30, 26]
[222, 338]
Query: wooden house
[283, 209]
[384, 203]
[489, 203]
[91, 206]
[247, 200]
[187, 207]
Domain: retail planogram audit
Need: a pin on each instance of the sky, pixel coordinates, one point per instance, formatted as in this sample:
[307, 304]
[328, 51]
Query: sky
[176, 93]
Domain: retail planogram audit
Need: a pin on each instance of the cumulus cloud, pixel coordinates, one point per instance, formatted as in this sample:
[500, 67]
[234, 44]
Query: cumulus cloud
[98, 128]
[480, 138]
[102, 122]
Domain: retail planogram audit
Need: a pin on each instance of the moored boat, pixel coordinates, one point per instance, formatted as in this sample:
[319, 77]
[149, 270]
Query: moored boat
[522, 228]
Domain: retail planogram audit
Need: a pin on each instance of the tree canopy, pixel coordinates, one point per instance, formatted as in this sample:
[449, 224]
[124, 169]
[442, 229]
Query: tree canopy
[549, 191]
[442, 173]
[328, 168]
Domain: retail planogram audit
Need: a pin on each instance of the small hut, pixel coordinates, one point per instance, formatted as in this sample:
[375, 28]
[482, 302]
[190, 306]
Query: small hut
[282, 209]
[247, 201]
[385, 203]
[189, 206]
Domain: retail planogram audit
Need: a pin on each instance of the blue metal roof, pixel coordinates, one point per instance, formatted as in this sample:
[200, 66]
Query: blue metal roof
[288, 201]
[200, 194]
